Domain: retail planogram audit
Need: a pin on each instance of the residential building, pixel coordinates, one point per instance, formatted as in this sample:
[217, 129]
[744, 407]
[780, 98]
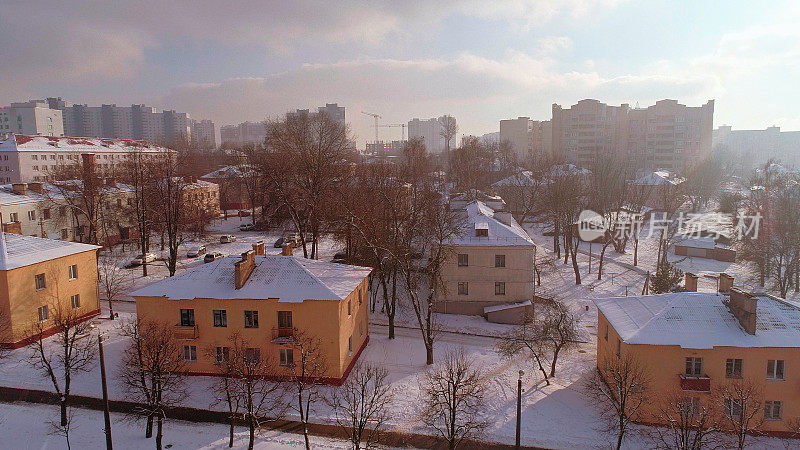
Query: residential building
[519, 135]
[667, 135]
[491, 261]
[26, 158]
[244, 133]
[27, 209]
[386, 148]
[41, 279]
[269, 300]
[334, 112]
[430, 131]
[204, 133]
[752, 148]
[231, 186]
[695, 343]
[33, 117]
[655, 188]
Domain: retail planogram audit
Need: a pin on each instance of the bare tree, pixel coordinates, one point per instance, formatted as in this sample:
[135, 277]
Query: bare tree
[138, 168]
[448, 131]
[70, 352]
[114, 281]
[306, 367]
[703, 181]
[151, 371]
[361, 403]
[742, 405]
[78, 186]
[619, 389]
[690, 423]
[169, 208]
[454, 398]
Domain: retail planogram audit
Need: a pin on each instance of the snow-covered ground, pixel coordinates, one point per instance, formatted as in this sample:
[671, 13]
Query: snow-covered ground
[28, 426]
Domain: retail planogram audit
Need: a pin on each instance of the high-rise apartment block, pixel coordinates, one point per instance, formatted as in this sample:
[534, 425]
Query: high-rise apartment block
[55, 117]
[333, 111]
[430, 131]
[204, 133]
[750, 148]
[33, 117]
[667, 135]
[527, 138]
[244, 133]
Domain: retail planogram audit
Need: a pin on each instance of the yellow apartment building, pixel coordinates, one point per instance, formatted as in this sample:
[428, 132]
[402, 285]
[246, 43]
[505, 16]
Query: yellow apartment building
[267, 299]
[693, 342]
[490, 264]
[40, 278]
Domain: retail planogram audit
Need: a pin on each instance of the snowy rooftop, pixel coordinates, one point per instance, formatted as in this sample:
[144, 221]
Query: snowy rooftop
[699, 320]
[524, 178]
[22, 142]
[19, 251]
[658, 178]
[226, 172]
[500, 233]
[286, 278]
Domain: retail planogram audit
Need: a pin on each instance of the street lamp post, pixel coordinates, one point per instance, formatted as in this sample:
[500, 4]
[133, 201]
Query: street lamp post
[519, 407]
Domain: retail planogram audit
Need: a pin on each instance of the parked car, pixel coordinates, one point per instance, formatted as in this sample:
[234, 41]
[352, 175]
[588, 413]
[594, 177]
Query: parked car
[247, 227]
[243, 213]
[213, 256]
[142, 259]
[227, 239]
[196, 251]
[293, 238]
[340, 257]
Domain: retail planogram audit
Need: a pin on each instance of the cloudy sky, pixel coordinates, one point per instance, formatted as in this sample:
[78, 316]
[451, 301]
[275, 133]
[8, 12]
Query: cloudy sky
[481, 61]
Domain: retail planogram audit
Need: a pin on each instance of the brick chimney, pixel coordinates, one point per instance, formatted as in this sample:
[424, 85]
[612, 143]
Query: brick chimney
[690, 282]
[243, 268]
[287, 249]
[89, 166]
[258, 248]
[725, 283]
[19, 188]
[743, 306]
[36, 187]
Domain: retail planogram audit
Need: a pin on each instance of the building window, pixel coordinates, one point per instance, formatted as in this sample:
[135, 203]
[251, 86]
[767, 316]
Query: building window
[31, 215]
[251, 319]
[463, 288]
[187, 317]
[13, 217]
[775, 369]
[733, 408]
[44, 314]
[46, 214]
[284, 319]
[73, 272]
[499, 288]
[76, 301]
[220, 318]
[694, 367]
[190, 353]
[40, 281]
[287, 357]
[222, 354]
[690, 406]
[733, 368]
[773, 410]
[350, 346]
[252, 355]
[499, 260]
[463, 260]
[349, 311]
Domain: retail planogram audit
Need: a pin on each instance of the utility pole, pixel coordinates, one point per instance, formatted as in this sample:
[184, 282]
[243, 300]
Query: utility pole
[519, 408]
[106, 412]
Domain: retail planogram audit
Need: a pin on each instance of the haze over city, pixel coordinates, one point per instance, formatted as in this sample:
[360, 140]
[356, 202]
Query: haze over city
[252, 60]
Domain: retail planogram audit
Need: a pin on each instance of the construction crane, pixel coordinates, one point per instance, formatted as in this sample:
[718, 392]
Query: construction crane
[376, 117]
[395, 125]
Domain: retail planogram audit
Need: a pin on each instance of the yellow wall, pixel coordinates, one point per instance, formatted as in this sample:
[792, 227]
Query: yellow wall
[667, 362]
[21, 300]
[327, 320]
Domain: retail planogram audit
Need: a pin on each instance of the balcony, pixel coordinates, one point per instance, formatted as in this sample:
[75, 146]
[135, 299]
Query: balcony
[186, 333]
[282, 335]
[696, 384]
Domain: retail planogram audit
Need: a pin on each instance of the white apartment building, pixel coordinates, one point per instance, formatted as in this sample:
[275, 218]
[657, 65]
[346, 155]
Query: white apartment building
[204, 133]
[333, 111]
[752, 148]
[430, 131]
[33, 117]
[26, 158]
[528, 138]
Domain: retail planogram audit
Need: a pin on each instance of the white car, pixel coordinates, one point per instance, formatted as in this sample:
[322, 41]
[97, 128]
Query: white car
[196, 251]
[227, 239]
[142, 259]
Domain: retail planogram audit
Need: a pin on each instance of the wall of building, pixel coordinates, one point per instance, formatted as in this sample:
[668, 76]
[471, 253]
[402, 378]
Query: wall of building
[327, 320]
[481, 274]
[18, 286]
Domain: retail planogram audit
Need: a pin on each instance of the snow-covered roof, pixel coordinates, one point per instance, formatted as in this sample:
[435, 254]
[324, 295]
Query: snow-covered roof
[658, 178]
[561, 170]
[524, 178]
[36, 143]
[477, 215]
[696, 242]
[699, 320]
[505, 306]
[225, 172]
[285, 278]
[20, 251]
